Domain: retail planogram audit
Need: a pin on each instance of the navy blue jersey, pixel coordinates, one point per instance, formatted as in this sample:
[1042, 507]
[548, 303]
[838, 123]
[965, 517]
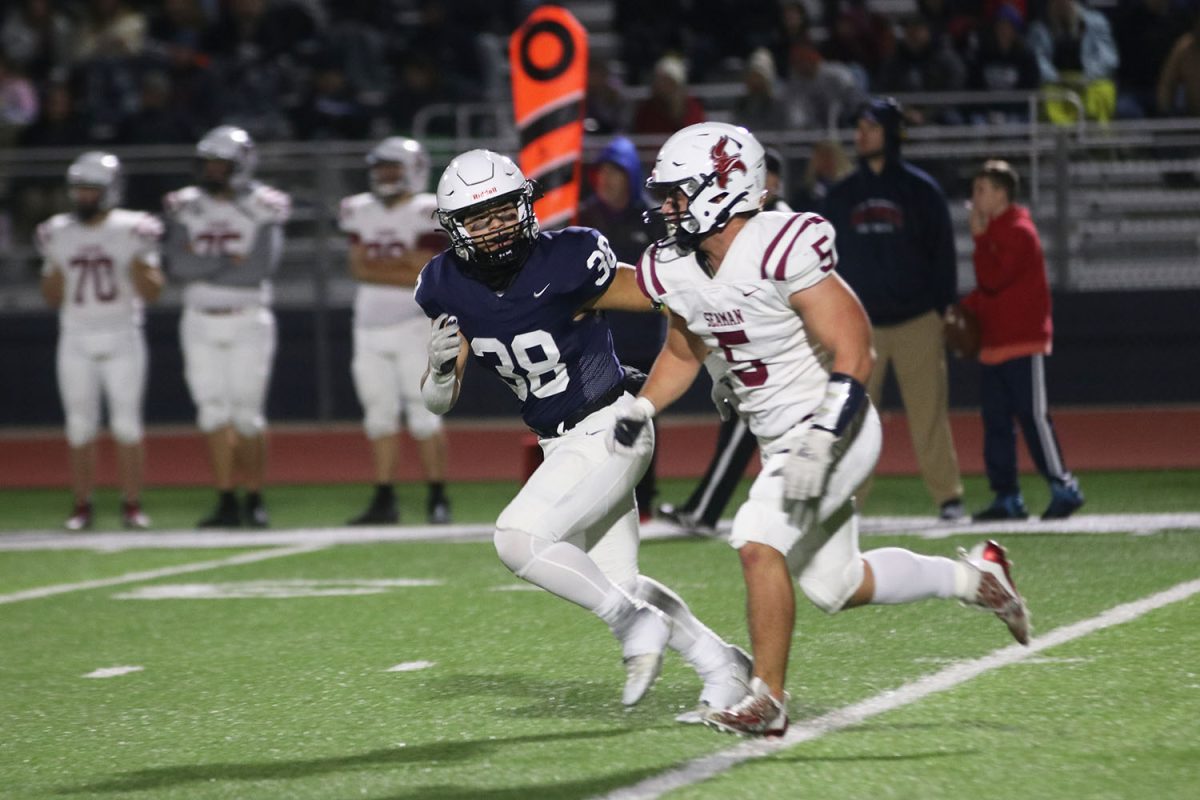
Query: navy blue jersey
[529, 335]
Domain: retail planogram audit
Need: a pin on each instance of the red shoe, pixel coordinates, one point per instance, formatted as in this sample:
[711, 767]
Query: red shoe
[993, 588]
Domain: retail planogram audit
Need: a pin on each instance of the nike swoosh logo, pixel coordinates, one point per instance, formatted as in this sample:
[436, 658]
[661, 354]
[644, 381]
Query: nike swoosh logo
[543, 291]
[752, 291]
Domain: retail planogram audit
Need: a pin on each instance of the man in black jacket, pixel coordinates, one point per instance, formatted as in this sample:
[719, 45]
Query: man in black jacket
[896, 247]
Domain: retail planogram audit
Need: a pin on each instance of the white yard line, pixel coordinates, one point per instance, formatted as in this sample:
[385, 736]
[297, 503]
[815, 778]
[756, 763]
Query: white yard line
[163, 572]
[923, 527]
[709, 766]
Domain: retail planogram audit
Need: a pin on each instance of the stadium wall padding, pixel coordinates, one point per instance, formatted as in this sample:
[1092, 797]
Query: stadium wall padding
[1110, 348]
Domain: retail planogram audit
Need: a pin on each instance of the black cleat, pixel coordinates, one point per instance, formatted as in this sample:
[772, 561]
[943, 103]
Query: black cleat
[254, 512]
[438, 512]
[378, 514]
[225, 515]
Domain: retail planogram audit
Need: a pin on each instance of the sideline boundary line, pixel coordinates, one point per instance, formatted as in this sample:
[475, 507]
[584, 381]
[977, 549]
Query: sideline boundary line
[705, 767]
[162, 572]
[922, 527]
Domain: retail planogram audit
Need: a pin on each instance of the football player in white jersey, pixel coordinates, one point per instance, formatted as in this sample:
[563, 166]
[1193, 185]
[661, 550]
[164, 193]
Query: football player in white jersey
[225, 239]
[760, 288]
[393, 234]
[100, 263]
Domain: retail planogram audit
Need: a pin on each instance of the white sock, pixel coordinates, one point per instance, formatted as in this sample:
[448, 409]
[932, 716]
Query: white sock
[690, 637]
[902, 576]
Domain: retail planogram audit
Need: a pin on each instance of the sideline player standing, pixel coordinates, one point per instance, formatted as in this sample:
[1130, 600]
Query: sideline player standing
[526, 305]
[760, 288]
[393, 234]
[100, 263]
[225, 239]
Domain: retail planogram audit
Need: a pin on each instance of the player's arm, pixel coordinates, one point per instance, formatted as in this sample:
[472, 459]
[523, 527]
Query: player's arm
[401, 270]
[259, 263]
[53, 285]
[673, 372]
[835, 318]
[442, 380]
[147, 278]
[676, 366]
[623, 294]
[182, 261]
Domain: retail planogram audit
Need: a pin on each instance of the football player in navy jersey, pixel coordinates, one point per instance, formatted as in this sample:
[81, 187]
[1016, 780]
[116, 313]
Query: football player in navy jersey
[527, 305]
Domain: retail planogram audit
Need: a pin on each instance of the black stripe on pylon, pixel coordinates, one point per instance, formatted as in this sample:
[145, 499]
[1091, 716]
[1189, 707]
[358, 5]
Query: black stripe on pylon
[559, 176]
[550, 121]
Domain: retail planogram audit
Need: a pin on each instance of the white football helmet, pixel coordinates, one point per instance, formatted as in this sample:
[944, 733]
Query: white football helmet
[474, 182]
[95, 170]
[411, 157]
[230, 143]
[722, 171]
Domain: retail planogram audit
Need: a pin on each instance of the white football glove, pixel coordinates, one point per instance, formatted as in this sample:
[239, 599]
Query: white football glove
[444, 344]
[724, 397]
[630, 436]
[807, 466]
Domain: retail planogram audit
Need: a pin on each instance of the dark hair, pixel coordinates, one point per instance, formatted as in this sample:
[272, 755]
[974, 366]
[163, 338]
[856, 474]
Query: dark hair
[1002, 175]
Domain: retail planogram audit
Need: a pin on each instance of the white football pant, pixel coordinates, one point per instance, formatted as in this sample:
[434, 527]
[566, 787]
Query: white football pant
[387, 368]
[112, 365]
[824, 556]
[227, 362]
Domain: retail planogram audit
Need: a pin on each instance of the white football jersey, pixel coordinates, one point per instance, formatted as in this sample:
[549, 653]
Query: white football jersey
[743, 312]
[217, 226]
[389, 232]
[96, 263]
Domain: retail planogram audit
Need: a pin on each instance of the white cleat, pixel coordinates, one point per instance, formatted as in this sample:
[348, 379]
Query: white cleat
[653, 630]
[759, 713]
[993, 589]
[723, 687]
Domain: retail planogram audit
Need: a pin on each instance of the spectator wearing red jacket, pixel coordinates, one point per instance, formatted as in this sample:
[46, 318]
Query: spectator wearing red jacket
[1012, 304]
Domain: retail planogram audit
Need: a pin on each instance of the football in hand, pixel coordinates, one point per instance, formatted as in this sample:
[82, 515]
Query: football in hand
[960, 328]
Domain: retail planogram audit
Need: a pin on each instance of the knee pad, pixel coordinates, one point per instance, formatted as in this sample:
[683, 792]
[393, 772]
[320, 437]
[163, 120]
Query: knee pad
[379, 422]
[212, 415]
[249, 422]
[422, 423]
[828, 587]
[126, 428]
[81, 429]
[517, 549]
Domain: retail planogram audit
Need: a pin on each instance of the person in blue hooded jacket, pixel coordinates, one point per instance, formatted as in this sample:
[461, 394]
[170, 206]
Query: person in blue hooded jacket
[615, 208]
[896, 247]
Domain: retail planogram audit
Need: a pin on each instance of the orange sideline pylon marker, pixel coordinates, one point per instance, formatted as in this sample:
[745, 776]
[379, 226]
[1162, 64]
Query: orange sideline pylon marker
[548, 59]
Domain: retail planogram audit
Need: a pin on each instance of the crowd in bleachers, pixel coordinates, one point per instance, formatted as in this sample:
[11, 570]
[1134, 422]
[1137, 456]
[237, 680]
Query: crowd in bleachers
[104, 72]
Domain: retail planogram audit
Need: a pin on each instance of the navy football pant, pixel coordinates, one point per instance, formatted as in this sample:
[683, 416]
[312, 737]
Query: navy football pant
[1015, 391]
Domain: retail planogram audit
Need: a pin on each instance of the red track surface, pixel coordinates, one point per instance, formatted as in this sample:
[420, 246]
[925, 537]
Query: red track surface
[1160, 438]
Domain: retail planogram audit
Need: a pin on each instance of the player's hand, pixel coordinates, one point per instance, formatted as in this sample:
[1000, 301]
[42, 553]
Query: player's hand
[724, 397]
[632, 435]
[807, 466]
[444, 344]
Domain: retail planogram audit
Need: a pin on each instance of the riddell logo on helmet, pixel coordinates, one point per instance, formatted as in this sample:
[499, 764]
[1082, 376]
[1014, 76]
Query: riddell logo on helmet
[484, 193]
[725, 163]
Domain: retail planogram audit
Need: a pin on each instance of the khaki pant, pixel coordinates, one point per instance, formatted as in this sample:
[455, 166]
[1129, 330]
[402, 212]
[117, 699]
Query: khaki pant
[916, 351]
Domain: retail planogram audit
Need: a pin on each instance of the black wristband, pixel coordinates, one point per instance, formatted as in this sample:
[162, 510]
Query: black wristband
[844, 397]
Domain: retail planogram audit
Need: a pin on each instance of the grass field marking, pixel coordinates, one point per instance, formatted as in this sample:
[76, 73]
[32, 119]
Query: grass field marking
[112, 672]
[709, 766]
[411, 666]
[162, 572]
[920, 526]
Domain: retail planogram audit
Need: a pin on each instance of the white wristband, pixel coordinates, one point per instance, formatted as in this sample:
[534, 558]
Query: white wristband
[437, 392]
